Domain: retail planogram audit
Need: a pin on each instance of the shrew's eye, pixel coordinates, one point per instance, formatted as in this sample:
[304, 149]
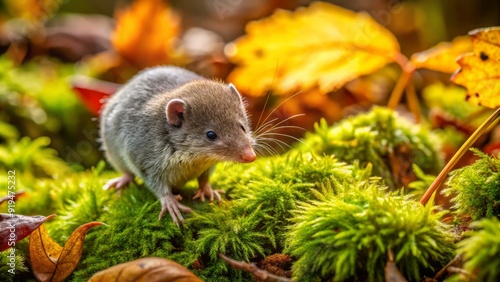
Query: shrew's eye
[243, 128]
[211, 135]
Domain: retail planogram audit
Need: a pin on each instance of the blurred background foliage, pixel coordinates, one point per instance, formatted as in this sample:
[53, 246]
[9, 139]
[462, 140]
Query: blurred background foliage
[45, 44]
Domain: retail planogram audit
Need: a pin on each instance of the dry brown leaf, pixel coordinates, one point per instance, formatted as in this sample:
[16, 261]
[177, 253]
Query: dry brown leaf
[443, 56]
[19, 225]
[146, 270]
[322, 45]
[11, 197]
[480, 70]
[145, 33]
[50, 261]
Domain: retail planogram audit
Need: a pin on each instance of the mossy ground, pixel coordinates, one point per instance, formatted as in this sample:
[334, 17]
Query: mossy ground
[268, 204]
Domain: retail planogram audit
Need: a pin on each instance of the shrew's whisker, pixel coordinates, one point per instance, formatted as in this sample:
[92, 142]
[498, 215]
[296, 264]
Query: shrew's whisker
[276, 141]
[284, 135]
[267, 147]
[282, 127]
[268, 95]
[280, 104]
[285, 120]
[265, 125]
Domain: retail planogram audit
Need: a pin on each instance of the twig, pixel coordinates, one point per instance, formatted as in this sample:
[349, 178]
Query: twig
[407, 72]
[445, 268]
[391, 271]
[458, 155]
[251, 268]
[413, 104]
[453, 269]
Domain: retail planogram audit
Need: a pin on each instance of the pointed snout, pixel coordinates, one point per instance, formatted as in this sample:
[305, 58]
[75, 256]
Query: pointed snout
[247, 155]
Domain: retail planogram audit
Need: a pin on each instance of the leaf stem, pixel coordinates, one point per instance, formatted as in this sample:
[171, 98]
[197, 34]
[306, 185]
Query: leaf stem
[458, 155]
[408, 69]
[413, 103]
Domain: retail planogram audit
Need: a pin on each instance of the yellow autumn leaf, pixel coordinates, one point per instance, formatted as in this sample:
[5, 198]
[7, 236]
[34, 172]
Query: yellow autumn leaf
[321, 46]
[146, 32]
[443, 56]
[32, 10]
[480, 70]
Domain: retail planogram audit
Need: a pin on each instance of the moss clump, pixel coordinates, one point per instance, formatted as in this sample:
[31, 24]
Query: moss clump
[380, 137]
[133, 231]
[481, 251]
[76, 198]
[476, 187]
[347, 233]
[295, 167]
[32, 158]
[11, 270]
[254, 223]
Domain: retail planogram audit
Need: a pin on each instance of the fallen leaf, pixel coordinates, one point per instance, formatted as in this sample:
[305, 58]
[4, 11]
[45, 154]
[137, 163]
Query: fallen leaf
[93, 92]
[443, 56]
[146, 32]
[147, 270]
[50, 261]
[480, 70]
[7, 198]
[20, 225]
[322, 45]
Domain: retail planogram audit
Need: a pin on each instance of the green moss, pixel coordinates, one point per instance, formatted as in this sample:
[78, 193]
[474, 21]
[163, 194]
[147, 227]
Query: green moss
[32, 158]
[373, 138]
[76, 198]
[295, 167]
[275, 201]
[229, 230]
[37, 98]
[476, 187]
[450, 99]
[11, 266]
[481, 251]
[347, 233]
[418, 187]
[133, 231]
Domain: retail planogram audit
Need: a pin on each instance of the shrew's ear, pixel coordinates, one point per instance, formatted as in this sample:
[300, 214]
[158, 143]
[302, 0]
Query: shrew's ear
[175, 112]
[234, 91]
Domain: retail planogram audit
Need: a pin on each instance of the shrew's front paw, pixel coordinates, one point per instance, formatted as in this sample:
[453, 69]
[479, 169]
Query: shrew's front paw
[119, 182]
[171, 204]
[206, 190]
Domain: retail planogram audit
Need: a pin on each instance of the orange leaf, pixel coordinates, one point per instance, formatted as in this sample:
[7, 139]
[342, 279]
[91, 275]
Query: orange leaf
[50, 261]
[145, 33]
[443, 56]
[480, 70]
[146, 270]
[19, 225]
[322, 45]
